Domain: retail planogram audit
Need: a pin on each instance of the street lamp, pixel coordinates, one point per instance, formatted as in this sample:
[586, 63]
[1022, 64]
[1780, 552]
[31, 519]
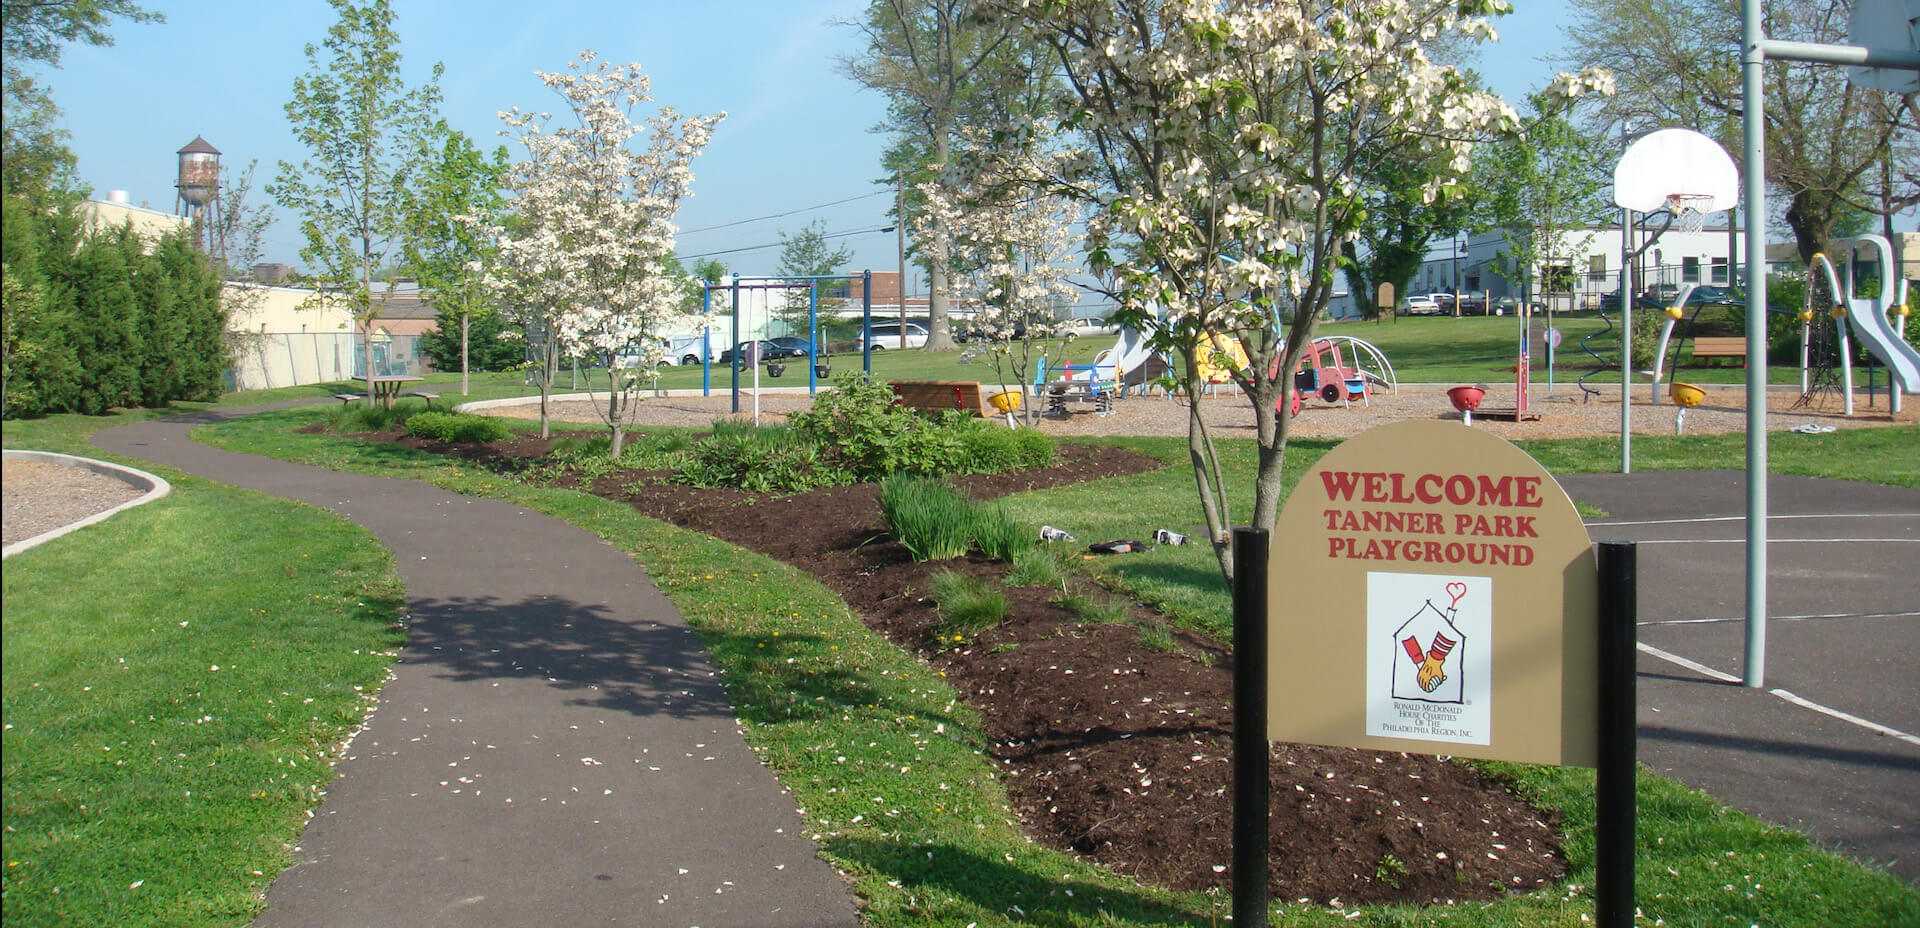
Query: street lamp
[1459, 251]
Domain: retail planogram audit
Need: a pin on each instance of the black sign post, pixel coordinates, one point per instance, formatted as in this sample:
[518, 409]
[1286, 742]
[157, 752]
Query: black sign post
[1250, 749]
[1614, 806]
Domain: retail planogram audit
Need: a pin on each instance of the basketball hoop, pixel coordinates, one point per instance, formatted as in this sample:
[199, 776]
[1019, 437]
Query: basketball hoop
[1689, 210]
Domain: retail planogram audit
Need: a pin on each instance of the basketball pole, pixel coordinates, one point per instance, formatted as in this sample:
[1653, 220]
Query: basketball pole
[1754, 136]
[1626, 340]
[1756, 49]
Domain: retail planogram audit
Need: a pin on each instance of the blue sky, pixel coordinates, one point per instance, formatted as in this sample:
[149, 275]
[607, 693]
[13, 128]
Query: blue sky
[797, 132]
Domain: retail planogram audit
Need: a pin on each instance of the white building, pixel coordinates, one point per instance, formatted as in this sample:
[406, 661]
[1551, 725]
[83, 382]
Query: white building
[1586, 266]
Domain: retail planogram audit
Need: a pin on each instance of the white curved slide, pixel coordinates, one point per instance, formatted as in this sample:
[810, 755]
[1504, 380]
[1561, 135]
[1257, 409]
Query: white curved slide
[1128, 353]
[1870, 323]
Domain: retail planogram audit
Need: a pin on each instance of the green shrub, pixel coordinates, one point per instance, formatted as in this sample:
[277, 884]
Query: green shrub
[968, 605]
[931, 519]
[864, 432]
[456, 427]
[357, 416]
[987, 448]
[998, 535]
[763, 459]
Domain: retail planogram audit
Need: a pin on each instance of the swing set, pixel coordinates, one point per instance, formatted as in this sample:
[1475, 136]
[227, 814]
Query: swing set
[817, 366]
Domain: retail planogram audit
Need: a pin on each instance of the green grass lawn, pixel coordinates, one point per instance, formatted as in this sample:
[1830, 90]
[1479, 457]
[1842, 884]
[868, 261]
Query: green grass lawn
[843, 716]
[176, 680]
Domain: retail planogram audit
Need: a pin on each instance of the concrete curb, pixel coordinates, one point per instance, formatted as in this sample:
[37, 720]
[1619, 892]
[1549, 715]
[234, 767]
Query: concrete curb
[155, 487]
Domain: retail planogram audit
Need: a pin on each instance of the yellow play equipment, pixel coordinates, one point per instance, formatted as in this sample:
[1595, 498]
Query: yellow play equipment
[1007, 402]
[1218, 348]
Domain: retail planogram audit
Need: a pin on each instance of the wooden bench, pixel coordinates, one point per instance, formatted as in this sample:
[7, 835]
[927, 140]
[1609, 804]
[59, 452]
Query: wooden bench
[423, 394]
[938, 396]
[345, 398]
[1725, 346]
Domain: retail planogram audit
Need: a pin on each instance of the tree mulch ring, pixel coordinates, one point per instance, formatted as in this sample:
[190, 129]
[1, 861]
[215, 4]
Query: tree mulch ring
[1120, 751]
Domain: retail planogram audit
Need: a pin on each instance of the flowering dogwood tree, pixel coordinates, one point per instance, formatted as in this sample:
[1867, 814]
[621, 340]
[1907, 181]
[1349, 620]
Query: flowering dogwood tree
[1218, 150]
[584, 262]
[1012, 257]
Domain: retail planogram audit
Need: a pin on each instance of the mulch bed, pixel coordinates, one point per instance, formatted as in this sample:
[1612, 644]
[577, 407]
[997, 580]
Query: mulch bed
[1116, 751]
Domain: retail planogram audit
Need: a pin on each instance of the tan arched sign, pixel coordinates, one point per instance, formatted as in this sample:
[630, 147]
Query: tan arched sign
[1433, 590]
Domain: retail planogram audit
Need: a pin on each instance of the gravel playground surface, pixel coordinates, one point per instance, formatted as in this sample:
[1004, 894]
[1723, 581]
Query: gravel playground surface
[1562, 413]
[40, 496]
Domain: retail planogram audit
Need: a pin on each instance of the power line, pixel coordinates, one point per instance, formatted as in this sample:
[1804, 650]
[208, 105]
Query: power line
[729, 251]
[791, 212]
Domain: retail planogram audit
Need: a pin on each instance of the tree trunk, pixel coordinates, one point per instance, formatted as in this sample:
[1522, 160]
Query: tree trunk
[549, 369]
[1812, 225]
[939, 329]
[614, 422]
[465, 319]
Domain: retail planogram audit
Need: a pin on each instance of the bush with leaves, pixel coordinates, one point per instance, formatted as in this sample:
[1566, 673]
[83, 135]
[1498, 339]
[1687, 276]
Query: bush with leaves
[456, 427]
[765, 459]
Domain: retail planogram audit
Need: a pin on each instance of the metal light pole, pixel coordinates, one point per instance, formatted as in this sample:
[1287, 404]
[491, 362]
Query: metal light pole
[900, 248]
[1459, 247]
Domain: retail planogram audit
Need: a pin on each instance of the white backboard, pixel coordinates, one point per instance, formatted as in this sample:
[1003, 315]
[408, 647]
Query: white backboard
[1885, 24]
[1675, 161]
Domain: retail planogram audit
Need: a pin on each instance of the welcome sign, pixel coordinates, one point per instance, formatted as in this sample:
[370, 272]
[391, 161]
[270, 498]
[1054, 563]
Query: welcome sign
[1433, 590]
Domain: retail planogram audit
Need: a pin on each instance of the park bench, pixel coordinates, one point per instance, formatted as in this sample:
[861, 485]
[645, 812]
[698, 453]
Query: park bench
[938, 396]
[345, 398]
[423, 394]
[1725, 346]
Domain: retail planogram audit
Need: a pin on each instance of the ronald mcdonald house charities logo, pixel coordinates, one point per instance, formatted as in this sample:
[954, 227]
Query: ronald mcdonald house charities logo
[1429, 666]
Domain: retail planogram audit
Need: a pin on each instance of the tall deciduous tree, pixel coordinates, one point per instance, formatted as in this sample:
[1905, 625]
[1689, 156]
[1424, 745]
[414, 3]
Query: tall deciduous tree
[33, 152]
[459, 190]
[364, 130]
[587, 264]
[1220, 144]
[1678, 64]
[943, 65]
[1545, 186]
[807, 253]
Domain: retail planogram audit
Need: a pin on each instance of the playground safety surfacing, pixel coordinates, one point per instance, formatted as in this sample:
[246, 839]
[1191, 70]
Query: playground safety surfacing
[1831, 744]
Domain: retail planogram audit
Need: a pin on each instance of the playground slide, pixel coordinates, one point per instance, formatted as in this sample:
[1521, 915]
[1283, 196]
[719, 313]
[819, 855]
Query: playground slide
[1868, 316]
[1128, 353]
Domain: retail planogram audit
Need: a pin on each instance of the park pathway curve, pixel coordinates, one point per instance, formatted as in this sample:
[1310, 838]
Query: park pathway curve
[554, 748]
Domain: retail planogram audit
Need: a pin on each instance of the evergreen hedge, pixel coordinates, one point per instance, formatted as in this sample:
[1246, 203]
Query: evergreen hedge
[95, 321]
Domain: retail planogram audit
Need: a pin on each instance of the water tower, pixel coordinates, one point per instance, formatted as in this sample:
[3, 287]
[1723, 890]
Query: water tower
[199, 194]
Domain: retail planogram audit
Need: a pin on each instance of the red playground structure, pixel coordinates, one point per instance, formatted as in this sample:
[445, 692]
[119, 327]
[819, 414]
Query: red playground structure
[1323, 371]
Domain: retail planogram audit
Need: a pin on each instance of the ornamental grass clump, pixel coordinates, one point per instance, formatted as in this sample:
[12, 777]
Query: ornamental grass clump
[998, 536]
[929, 518]
[968, 605]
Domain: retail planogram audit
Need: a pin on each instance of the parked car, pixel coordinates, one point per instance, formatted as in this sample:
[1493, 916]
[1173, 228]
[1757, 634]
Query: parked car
[1420, 306]
[683, 349]
[789, 346]
[887, 335]
[767, 350]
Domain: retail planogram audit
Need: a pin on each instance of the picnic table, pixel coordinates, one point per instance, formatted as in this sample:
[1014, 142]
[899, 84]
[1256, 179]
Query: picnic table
[385, 388]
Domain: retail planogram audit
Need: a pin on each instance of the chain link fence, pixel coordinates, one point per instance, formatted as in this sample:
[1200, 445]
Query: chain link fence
[262, 360]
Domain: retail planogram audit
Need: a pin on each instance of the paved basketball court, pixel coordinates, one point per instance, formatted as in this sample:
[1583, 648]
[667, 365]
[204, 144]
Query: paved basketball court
[1831, 746]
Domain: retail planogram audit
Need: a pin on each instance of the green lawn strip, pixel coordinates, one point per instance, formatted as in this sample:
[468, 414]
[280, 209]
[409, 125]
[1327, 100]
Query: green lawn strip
[129, 759]
[1701, 863]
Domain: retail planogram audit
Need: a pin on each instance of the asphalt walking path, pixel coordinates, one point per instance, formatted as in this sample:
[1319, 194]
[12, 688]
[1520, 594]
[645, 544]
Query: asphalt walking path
[554, 748]
[1831, 744]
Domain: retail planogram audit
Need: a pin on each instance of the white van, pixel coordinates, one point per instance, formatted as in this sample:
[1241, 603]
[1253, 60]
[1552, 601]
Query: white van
[885, 335]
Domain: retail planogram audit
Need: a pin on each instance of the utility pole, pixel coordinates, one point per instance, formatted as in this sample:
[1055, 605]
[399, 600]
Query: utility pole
[1457, 248]
[900, 246]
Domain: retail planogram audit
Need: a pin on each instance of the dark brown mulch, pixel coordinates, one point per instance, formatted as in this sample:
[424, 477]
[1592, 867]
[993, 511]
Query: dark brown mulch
[1120, 752]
